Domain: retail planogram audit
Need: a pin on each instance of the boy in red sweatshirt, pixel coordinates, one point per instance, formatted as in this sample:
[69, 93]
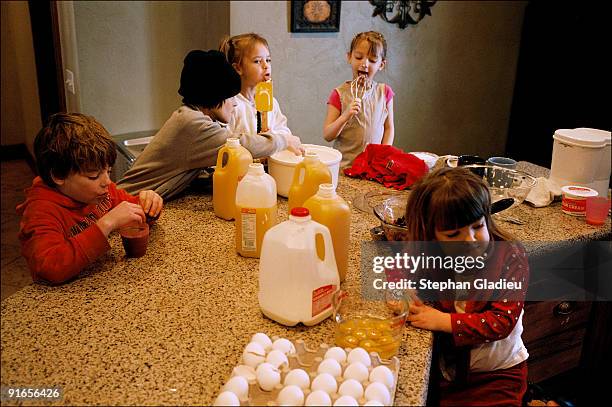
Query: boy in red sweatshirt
[72, 206]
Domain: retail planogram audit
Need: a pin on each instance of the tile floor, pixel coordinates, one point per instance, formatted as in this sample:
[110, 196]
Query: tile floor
[16, 176]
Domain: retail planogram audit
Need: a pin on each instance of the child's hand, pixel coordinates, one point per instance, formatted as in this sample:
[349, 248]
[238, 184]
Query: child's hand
[425, 317]
[151, 203]
[353, 109]
[120, 215]
[294, 145]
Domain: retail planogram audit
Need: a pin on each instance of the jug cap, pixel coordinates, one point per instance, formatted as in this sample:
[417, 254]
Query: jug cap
[327, 191]
[256, 169]
[232, 142]
[300, 212]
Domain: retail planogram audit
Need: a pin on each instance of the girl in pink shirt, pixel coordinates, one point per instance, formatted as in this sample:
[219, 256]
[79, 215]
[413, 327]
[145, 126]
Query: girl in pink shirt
[356, 119]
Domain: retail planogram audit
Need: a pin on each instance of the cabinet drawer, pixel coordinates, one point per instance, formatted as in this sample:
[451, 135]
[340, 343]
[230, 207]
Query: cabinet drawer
[546, 318]
[554, 354]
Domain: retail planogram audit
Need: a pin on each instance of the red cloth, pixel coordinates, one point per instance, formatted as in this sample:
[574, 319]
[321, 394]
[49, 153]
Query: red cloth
[504, 387]
[388, 165]
[59, 236]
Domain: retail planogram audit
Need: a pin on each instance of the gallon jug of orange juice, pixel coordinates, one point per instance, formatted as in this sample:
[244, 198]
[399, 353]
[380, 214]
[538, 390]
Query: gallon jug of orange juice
[296, 284]
[255, 210]
[307, 176]
[232, 164]
[329, 209]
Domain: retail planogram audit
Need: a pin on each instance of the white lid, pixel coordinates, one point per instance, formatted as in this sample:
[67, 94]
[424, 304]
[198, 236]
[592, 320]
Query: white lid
[232, 142]
[577, 191]
[327, 155]
[256, 169]
[583, 137]
[326, 191]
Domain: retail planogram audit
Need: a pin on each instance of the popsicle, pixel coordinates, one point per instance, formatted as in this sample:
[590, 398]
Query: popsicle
[263, 102]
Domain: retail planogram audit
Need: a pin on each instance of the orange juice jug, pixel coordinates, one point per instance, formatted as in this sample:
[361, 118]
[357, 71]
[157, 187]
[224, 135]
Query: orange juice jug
[307, 177]
[232, 164]
[296, 284]
[329, 209]
[255, 210]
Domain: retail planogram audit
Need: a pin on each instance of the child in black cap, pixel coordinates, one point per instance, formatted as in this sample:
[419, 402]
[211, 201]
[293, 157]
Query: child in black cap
[191, 138]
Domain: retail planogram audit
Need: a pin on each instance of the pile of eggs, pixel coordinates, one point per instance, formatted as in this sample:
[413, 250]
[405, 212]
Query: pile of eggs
[338, 379]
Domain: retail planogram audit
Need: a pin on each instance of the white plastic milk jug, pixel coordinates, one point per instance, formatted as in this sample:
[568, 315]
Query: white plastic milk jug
[295, 285]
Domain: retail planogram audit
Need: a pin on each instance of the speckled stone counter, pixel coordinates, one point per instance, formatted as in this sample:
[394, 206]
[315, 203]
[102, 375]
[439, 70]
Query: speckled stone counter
[169, 327]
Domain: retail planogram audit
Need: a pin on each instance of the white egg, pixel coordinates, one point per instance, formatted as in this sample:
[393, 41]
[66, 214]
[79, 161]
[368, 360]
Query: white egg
[298, 377]
[325, 382]
[359, 355]
[379, 392]
[239, 386]
[267, 376]
[262, 339]
[291, 396]
[356, 371]
[330, 366]
[351, 387]
[346, 401]
[227, 398]
[284, 345]
[265, 366]
[253, 354]
[277, 358]
[245, 371]
[318, 398]
[373, 403]
[384, 375]
[336, 353]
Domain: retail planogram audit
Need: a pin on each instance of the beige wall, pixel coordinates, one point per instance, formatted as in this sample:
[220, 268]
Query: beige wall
[453, 73]
[20, 104]
[130, 55]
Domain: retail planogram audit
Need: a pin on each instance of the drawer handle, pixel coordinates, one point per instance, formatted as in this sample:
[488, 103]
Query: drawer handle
[563, 308]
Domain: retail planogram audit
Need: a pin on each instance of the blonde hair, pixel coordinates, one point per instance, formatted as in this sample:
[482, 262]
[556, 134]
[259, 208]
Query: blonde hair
[376, 41]
[235, 47]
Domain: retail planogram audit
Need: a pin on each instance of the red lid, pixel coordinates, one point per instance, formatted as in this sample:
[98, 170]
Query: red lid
[300, 212]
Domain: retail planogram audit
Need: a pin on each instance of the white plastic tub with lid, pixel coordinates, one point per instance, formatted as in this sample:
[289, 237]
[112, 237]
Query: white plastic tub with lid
[282, 164]
[581, 157]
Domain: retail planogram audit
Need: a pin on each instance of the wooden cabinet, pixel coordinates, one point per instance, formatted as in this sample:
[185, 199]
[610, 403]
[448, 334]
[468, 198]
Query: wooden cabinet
[554, 333]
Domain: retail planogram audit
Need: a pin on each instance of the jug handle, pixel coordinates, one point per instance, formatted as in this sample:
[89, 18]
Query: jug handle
[299, 173]
[330, 259]
[223, 152]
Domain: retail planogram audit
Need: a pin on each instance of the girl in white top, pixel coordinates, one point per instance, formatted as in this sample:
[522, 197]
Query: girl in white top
[249, 54]
[354, 121]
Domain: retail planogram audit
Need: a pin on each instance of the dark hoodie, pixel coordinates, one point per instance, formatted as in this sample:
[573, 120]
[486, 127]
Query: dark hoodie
[59, 236]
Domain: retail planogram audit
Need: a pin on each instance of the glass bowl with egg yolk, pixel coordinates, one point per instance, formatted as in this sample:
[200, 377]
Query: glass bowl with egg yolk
[375, 325]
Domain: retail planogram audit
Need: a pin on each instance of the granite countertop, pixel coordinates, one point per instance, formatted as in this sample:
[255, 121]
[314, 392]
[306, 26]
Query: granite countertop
[169, 327]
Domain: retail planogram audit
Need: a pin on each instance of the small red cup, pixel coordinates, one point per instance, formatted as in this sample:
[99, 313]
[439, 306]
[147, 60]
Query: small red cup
[597, 208]
[135, 237]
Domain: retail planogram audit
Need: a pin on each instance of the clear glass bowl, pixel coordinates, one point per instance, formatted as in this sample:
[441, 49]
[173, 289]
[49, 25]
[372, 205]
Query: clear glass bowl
[504, 182]
[375, 325]
[392, 212]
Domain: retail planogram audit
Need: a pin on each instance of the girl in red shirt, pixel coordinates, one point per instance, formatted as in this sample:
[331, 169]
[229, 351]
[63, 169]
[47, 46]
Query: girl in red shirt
[482, 358]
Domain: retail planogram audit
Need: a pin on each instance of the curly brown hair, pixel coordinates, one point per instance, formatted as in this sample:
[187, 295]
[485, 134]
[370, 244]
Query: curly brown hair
[72, 143]
[448, 199]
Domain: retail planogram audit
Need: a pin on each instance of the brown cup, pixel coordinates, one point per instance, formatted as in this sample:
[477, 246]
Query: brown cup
[135, 237]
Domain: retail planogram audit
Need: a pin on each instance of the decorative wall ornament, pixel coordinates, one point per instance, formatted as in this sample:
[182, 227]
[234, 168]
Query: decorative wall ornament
[308, 16]
[402, 12]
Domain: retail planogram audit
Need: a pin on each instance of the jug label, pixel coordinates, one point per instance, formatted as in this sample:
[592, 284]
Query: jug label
[322, 299]
[249, 226]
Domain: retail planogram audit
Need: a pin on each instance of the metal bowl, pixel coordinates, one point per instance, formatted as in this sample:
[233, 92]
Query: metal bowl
[391, 213]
